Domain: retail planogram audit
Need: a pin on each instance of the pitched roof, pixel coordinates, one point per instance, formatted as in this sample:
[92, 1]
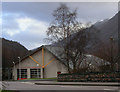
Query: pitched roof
[55, 50]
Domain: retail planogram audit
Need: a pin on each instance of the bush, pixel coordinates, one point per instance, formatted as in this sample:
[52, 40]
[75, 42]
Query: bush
[92, 77]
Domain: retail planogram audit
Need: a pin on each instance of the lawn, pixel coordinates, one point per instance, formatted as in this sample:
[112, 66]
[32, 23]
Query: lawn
[41, 78]
[6, 91]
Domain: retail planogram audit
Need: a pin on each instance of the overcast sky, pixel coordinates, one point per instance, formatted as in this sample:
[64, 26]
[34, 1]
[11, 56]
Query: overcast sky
[27, 22]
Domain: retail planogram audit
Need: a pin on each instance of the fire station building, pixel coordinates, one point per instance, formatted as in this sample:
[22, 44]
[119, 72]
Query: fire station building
[42, 62]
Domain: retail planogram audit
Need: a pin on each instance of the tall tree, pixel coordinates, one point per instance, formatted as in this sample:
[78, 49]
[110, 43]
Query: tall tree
[63, 24]
[109, 52]
[66, 31]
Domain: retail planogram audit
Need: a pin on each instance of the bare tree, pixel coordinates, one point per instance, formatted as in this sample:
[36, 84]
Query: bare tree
[76, 49]
[63, 24]
[66, 31]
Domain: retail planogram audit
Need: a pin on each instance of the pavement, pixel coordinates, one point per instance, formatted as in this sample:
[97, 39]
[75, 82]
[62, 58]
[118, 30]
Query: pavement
[77, 83]
[54, 82]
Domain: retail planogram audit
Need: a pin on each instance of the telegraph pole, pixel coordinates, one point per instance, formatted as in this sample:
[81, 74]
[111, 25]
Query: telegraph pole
[118, 37]
[112, 56]
[118, 41]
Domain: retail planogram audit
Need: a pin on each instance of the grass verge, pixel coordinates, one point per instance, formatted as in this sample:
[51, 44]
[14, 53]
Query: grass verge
[6, 91]
[41, 78]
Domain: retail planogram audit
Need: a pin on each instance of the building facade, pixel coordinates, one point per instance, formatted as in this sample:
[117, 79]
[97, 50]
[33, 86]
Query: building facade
[41, 63]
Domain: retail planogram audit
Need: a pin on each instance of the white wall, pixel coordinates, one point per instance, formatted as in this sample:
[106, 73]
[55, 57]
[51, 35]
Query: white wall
[55, 66]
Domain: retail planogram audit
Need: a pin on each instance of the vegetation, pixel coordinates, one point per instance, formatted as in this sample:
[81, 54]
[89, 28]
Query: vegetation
[110, 54]
[90, 76]
[39, 78]
[6, 91]
[68, 33]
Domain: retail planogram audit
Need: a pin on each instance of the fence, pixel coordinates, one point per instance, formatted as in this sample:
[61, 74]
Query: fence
[90, 77]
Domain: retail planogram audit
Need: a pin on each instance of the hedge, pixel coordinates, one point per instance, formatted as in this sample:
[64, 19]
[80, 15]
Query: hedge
[90, 77]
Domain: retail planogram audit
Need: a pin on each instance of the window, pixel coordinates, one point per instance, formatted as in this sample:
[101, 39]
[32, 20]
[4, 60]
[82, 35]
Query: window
[21, 73]
[35, 73]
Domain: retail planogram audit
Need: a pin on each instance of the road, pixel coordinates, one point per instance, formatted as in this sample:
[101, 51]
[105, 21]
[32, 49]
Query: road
[31, 86]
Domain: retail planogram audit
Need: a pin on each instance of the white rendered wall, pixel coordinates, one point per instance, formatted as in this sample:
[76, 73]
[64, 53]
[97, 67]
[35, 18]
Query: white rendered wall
[49, 71]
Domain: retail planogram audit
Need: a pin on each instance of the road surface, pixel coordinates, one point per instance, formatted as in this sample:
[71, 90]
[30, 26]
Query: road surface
[31, 86]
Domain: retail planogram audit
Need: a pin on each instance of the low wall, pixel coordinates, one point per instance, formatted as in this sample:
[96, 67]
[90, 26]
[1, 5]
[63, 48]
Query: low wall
[90, 77]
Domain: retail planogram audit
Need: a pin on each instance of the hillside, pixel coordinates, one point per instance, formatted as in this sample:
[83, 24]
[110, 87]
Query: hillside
[10, 51]
[100, 33]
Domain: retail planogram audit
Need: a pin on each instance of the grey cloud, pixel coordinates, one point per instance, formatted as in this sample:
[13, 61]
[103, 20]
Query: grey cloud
[95, 11]
[9, 22]
[43, 11]
[40, 11]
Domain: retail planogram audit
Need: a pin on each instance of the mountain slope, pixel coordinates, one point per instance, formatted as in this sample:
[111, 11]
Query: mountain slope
[10, 51]
[100, 36]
